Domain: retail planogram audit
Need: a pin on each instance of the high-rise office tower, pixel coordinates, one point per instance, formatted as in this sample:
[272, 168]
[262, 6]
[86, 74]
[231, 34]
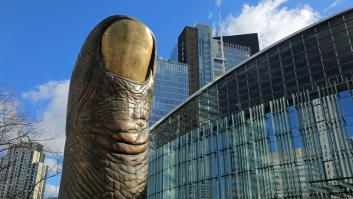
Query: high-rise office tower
[208, 57]
[171, 87]
[22, 172]
[188, 53]
[278, 125]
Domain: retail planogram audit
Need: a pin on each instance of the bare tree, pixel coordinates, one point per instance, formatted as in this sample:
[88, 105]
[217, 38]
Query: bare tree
[14, 128]
[15, 132]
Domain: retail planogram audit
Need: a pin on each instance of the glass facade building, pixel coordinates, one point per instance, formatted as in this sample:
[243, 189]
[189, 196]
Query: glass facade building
[278, 125]
[210, 55]
[171, 88]
[232, 56]
[203, 53]
[205, 43]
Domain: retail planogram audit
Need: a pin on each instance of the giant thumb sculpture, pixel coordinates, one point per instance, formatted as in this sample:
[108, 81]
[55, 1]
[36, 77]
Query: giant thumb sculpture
[108, 111]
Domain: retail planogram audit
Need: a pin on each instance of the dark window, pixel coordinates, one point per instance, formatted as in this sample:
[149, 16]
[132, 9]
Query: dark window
[255, 101]
[296, 40]
[313, 53]
[278, 94]
[343, 50]
[241, 78]
[317, 76]
[347, 67]
[330, 64]
[291, 84]
[242, 84]
[350, 31]
[265, 85]
[244, 98]
[316, 68]
[274, 59]
[327, 48]
[341, 43]
[297, 49]
[286, 54]
[264, 76]
[289, 76]
[340, 35]
[349, 16]
[266, 91]
[325, 40]
[277, 82]
[332, 72]
[287, 61]
[299, 57]
[309, 34]
[273, 52]
[310, 45]
[328, 55]
[300, 65]
[252, 81]
[323, 34]
[345, 58]
[252, 73]
[349, 23]
[284, 46]
[336, 20]
[303, 81]
[288, 68]
[314, 60]
[242, 90]
[276, 73]
[302, 73]
[322, 27]
[274, 66]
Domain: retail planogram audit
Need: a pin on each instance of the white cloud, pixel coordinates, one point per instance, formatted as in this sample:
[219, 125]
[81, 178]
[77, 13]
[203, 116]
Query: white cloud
[271, 20]
[52, 119]
[51, 190]
[332, 5]
[54, 166]
[218, 2]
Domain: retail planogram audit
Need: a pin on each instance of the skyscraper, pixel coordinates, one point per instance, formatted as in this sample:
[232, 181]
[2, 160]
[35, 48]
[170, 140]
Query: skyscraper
[188, 53]
[22, 172]
[277, 125]
[208, 57]
[171, 87]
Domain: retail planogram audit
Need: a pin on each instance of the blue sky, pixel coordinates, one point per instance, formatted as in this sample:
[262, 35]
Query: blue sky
[40, 39]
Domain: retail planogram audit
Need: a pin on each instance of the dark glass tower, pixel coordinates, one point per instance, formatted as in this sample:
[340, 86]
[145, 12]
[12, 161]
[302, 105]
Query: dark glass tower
[202, 52]
[248, 40]
[188, 53]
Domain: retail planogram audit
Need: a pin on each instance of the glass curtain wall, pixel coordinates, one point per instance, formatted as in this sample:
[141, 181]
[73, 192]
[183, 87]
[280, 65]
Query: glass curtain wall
[206, 64]
[171, 87]
[232, 56]
[298, 148]
[313, 57]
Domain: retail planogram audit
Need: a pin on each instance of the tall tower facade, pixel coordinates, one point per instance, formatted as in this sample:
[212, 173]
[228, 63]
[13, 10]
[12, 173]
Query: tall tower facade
[171, 87]
[208, 58]
[22, 172]
[188, 53]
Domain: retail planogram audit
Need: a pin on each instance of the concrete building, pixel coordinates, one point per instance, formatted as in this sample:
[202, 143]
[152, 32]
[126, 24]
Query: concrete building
[23, 172]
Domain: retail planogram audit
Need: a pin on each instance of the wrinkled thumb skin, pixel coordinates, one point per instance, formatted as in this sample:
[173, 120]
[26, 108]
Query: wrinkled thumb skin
[107, 132]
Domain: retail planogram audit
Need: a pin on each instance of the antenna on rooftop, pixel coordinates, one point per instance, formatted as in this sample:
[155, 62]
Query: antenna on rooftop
[221, 38]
